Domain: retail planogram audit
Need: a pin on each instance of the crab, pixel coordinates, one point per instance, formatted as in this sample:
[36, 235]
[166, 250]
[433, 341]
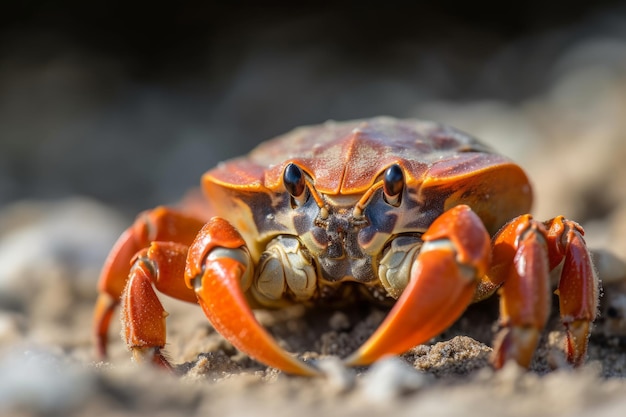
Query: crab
[408, 211]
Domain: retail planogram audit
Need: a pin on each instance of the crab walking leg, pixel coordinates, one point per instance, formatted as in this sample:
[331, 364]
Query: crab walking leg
[218, 267]
[444, 276]
[520, 261]
[111, 285]
[578, 287]
[524, 253]
[143, 318]
[159, 224]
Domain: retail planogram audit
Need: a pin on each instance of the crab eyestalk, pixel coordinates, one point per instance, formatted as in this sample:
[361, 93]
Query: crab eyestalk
[296, 185]
[393, 184]
[359, 207]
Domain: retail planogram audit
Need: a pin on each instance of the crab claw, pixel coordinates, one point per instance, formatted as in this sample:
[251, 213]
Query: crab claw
[442, 283]
[217, 266]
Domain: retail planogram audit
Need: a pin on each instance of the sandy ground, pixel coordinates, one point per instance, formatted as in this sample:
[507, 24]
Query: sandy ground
[569, 138]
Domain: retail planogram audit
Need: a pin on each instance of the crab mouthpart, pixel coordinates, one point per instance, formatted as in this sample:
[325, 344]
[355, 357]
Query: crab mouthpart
[343, 258]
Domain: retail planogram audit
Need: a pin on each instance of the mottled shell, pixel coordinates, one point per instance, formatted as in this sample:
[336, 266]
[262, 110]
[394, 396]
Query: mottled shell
[345, 158]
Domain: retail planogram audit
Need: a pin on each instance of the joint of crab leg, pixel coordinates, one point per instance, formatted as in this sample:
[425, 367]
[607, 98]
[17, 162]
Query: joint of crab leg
[442, 282]
[240, 255]
[216, 278]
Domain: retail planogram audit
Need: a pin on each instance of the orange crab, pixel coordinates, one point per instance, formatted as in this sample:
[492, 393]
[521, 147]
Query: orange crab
[396, 209]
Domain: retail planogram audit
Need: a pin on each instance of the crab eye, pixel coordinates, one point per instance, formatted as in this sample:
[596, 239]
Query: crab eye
[393, 183]
[295, 184]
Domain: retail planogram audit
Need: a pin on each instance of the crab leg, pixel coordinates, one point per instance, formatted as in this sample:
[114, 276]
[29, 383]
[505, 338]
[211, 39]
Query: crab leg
[111, 285]
[443, 280]
[578, 287]
[520, 262]
[143, 317]
[217, 267]
[523, 255]
[160, 224]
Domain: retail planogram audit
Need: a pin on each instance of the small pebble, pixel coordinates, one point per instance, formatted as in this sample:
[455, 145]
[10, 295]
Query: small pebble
[338, 376]
[392, 377]
[611, 268]
[339, 321]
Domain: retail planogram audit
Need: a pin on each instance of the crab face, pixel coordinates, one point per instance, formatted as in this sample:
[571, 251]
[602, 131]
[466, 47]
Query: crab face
[347, 191]
[410, 211]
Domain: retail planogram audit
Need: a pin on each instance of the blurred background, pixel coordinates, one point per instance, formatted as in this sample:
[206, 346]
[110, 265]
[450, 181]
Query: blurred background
[129, 104]
[108, 108]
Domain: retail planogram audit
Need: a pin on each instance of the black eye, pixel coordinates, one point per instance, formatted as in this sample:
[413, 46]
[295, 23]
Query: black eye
[295, 183]
[393, 183]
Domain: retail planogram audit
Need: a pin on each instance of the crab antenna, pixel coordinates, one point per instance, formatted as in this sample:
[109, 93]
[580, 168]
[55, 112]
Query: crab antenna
[362, 203]
[317, 197]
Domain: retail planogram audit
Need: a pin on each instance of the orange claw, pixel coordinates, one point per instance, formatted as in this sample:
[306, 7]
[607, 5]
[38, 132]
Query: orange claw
[443, 281]
[216, 276]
